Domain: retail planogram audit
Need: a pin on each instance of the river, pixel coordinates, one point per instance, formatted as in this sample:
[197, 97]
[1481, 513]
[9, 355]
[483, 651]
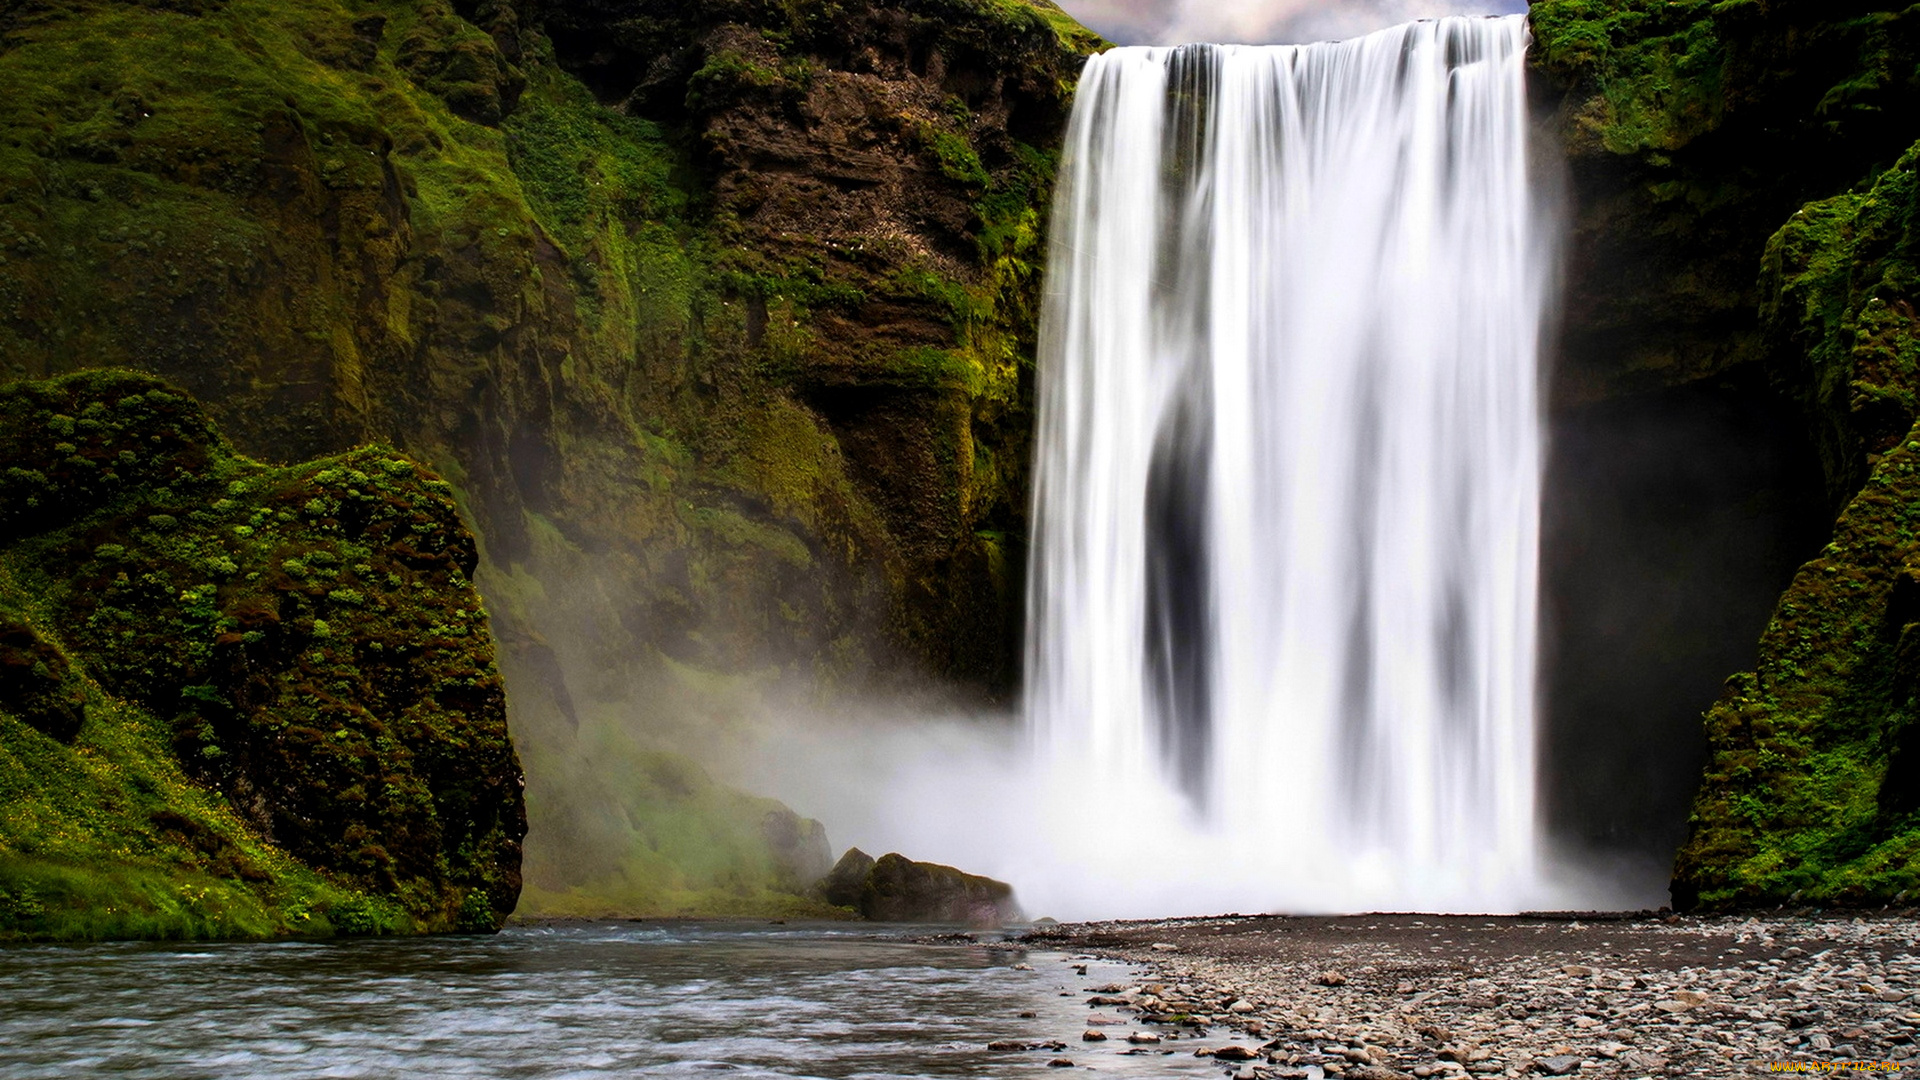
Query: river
[594, 1000]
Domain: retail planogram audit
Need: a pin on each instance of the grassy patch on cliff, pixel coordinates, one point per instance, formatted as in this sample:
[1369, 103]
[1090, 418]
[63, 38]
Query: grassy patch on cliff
[287, 682]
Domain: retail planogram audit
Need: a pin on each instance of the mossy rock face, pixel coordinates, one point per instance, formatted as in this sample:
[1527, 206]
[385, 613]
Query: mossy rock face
[305, 640]
[1809, 796]
[1693, 129]
[1811, 791]
[719, 318]
[36, 682]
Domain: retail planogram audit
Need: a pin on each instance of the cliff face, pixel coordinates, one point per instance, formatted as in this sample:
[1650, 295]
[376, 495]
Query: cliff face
[1743, 193]
[715, 317]
[237, 698]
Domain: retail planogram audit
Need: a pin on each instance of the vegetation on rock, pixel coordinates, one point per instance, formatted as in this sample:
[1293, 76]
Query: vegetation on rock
[894, 888]
[1694, 128]
[237, 699]
[716, 317]
[1697, 129]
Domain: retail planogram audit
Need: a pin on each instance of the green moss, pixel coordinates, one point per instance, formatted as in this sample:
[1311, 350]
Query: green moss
[1840, 279]
[686, 846]
[1658, 64]
[1801, 800]
[1805, 795]
[289, 652]
[682, 437]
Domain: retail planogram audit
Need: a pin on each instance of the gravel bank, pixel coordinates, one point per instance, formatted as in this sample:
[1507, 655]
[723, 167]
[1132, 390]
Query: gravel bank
[1386, 996]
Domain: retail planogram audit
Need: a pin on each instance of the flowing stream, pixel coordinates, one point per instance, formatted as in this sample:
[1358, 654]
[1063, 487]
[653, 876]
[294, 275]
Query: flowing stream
[1290, 450]
[606, 1000]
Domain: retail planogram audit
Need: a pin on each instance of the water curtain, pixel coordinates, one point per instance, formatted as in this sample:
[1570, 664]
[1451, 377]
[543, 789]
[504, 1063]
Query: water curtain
[1289, 454]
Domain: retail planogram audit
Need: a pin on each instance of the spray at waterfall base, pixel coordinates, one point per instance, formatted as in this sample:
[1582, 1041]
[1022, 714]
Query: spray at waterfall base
[1287, 511]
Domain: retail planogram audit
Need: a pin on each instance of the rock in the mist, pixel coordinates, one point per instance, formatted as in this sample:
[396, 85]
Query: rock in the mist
[801, 853]
[846, 883]
[894, 888]
[1093, 1035]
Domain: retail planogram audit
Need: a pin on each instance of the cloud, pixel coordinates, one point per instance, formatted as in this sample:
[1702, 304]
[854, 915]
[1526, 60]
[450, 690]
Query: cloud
[1174, 22]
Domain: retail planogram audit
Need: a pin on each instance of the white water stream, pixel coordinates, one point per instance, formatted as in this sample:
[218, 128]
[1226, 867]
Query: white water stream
[1288, 479]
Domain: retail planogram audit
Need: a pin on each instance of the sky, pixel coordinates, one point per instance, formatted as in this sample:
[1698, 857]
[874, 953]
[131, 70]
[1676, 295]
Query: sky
[1261, 22]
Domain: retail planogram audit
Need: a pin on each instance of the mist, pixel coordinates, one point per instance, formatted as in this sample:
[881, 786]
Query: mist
[969, 789]
[1263, 22]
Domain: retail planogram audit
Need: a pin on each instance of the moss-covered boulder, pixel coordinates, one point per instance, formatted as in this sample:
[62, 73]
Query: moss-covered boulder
[287, 682]
[671, 841]
[894, 888]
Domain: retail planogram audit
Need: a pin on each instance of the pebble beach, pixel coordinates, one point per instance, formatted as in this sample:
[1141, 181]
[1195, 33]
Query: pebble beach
[1382, 997]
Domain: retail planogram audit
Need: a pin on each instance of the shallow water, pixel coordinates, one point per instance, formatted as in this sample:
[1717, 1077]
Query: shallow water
[583, 1001]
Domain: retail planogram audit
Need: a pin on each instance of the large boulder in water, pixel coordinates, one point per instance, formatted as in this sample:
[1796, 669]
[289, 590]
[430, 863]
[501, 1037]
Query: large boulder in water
[894, 888]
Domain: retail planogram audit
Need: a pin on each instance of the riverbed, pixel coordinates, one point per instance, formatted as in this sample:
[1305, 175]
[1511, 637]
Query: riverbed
[1413, 997]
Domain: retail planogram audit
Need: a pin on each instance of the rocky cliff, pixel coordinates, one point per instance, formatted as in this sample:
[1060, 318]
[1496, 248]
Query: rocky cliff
[716, 318]
[237, 699]
[1743, 195]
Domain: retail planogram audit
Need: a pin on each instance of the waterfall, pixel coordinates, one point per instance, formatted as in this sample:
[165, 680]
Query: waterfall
[1289, 456]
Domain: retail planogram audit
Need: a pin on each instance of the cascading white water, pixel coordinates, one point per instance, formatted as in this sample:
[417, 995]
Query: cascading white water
[1289, 458]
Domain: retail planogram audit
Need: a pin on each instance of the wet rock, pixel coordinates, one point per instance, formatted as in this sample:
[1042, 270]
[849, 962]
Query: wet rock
[901, 890]
[1009, 1046]
[1060, 1063]
[845, 885]
[1093, 1035]
[894, 888]
[1144, 1038]
[1234, 1052]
